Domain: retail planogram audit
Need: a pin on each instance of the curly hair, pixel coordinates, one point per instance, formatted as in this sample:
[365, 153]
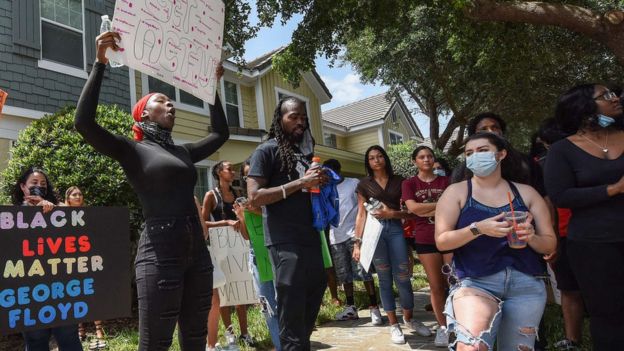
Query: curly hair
[472, 125]
[17, 196]
[285, 149]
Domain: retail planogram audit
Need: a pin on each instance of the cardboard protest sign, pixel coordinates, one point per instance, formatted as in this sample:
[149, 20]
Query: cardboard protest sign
[256, 236]
[372, 231]
[66, 266]
[178, 42]
[3, 97]
[232, 254]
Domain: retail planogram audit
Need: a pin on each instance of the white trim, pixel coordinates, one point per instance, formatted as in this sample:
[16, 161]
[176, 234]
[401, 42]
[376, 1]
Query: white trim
[316, 87]
[380, 136]
[255, 139]
[178, 104]
[366, 125]
[64, 26]
[396, 134]
[338, 129]
[62, 68]
[300, 97]
[260, 106]
[22, 112]
[132, 82]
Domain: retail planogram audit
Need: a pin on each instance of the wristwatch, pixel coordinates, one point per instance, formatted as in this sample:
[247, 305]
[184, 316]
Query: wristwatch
[357, 240]
[473, 228]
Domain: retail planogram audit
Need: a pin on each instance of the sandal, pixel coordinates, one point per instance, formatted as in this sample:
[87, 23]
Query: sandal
[98, 343]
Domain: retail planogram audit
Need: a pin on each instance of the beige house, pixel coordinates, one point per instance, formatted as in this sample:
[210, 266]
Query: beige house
[377, 120]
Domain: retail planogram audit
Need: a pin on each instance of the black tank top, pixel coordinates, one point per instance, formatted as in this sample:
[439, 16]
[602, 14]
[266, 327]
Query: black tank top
[223, 210]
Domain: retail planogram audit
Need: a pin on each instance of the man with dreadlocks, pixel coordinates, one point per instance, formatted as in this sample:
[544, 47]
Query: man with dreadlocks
[278, 179]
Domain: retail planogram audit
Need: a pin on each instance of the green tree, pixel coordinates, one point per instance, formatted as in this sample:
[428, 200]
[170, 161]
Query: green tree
[401, 158]
[53, 144]
[449, 64]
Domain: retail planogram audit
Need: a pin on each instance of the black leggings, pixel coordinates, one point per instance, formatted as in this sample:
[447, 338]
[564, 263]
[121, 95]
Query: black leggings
[174, 284]
[599, 270]
[300, 282]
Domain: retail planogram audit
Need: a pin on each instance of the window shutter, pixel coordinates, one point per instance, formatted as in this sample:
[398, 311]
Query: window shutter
[94, 9]
[26, 31]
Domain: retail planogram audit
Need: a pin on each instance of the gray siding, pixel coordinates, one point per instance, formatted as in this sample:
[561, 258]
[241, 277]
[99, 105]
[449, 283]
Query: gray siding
[44, 90]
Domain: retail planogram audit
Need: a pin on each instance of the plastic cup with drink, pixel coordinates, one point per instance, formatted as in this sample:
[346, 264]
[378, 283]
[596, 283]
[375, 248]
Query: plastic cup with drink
[515, 218]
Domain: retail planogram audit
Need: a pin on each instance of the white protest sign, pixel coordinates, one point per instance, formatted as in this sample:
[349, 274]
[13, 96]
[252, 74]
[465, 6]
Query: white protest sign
[231, 252]
[372, 231]
[176, 41]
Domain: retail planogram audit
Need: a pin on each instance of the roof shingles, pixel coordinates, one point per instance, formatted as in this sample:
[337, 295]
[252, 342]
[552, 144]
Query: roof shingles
[371, 109]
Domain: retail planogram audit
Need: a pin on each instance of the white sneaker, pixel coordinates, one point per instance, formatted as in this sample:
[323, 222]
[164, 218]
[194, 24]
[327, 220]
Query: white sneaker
[418, 327]
[349, 313]
[441, 338]
[376, 316]
[396, 335]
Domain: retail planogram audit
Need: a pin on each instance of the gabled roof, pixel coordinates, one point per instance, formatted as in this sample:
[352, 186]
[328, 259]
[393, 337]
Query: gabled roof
[264, 61]
[447, 147]
[367, 111]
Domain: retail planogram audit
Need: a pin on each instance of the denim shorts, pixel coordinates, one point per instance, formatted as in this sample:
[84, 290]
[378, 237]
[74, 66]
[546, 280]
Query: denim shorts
[347, 270]
[521, 300]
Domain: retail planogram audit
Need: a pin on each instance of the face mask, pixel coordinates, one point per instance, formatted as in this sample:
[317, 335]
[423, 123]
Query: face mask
[482, 164]
[605, 121]
[38, 191]
[439, 172]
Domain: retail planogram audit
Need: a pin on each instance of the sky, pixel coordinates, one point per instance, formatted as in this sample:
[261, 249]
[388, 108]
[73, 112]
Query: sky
[342, 80]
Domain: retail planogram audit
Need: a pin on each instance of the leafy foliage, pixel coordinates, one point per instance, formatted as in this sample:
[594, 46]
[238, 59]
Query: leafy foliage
[401, 159]
[53, 144]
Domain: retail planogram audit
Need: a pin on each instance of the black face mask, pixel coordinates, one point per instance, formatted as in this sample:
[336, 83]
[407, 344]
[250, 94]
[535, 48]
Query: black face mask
[38, 191]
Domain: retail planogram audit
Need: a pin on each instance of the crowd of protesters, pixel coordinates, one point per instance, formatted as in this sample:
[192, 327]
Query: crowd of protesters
[483, 232]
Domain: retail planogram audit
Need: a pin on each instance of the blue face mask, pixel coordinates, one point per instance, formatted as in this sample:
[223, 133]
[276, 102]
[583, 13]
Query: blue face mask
[482, 164]
[605, 121]
[439, 172]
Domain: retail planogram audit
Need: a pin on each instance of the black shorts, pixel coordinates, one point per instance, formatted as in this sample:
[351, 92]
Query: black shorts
[563, 271]
[422, 249]
[409, 242]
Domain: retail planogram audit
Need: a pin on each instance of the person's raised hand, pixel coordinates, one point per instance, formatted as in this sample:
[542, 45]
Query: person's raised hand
[103, 42]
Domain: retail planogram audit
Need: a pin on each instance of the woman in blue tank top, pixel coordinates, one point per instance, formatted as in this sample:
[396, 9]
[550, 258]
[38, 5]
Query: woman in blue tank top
[498, 294]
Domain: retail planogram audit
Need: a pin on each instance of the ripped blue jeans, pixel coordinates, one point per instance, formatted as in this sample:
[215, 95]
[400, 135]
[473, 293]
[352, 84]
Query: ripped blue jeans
[521, 300]
[266, 295]
[391, 263]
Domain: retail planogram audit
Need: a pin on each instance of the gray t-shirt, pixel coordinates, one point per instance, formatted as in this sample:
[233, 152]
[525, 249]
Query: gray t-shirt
[289, 221]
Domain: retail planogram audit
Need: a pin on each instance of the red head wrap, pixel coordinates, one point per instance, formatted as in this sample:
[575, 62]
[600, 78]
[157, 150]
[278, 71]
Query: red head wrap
[137, 111]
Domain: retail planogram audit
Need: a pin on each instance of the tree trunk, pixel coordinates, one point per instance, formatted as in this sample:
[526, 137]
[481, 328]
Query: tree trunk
[606, 28]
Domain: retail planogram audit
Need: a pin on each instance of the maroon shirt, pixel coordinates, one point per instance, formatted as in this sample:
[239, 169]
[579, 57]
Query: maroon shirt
[423, 192]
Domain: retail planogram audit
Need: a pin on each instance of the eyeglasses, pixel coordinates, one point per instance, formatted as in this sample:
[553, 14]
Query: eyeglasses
[607, 95]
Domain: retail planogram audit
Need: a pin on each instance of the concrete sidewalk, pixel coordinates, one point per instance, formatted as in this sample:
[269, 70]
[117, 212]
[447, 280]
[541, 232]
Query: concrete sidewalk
[362, 335]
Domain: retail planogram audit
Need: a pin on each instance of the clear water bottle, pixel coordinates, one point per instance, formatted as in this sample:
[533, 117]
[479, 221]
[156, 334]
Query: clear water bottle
[107, 26]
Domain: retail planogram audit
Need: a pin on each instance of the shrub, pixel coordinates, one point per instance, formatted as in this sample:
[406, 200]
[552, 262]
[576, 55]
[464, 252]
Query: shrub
[401, 158]
[53, 144]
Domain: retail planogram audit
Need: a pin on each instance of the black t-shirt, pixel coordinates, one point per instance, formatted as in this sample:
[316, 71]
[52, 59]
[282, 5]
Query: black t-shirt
[289, 221]
[578, 180]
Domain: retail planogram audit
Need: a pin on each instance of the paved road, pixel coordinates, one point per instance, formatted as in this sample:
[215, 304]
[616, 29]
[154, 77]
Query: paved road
[362, 335]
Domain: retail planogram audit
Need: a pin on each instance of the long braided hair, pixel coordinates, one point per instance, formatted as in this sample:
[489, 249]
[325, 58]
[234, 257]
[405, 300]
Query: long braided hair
[285, 149]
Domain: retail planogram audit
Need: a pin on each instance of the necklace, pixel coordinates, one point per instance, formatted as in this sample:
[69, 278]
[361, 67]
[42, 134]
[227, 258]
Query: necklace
[604, 148]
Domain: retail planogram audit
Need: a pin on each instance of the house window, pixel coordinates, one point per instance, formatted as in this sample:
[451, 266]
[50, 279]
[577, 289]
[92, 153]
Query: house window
[393, 116]
[329, 139]
[395, 138]
[62, 32]
[232, 103]
[185, 100]
[203, 185]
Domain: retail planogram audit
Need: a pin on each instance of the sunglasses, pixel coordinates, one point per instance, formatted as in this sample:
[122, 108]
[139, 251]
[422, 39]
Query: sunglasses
[448, 271]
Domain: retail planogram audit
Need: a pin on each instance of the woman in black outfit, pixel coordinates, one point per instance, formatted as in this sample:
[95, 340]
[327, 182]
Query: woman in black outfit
[173, 267]
[585, 172]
